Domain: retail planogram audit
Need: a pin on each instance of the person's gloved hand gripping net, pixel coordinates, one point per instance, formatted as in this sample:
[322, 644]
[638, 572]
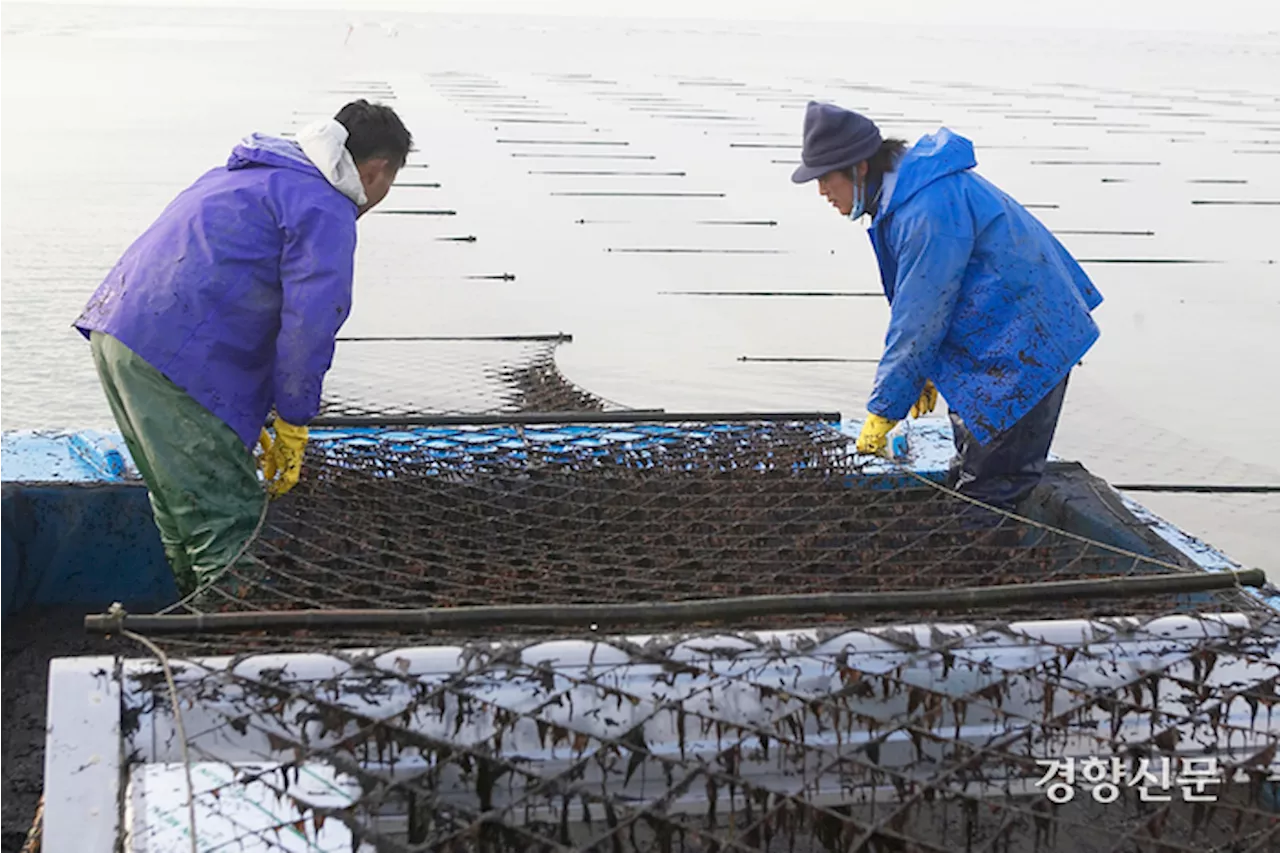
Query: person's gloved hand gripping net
[986, 308]
[281, 459]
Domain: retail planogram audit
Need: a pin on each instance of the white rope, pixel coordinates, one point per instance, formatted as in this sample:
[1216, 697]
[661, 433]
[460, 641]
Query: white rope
[36, 832]
[1123, 552]
[1049, 528]
[118, 611]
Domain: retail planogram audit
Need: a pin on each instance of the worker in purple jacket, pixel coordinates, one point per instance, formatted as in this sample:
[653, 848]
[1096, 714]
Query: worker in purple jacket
[227, 307]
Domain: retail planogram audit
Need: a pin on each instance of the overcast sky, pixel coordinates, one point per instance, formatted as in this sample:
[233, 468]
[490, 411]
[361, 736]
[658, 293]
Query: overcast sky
[1256, 16]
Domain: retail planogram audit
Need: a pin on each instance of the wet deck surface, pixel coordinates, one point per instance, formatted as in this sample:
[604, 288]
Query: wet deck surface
[29, 644]
[602, 184]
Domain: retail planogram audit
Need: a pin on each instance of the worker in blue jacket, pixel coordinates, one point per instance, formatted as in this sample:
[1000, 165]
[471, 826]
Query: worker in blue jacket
[986, 306]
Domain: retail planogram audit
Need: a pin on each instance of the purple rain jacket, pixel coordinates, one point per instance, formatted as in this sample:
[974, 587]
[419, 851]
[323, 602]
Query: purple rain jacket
[237, 291]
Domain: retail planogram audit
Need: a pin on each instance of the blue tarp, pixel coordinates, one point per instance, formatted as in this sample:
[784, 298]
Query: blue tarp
[81, 544]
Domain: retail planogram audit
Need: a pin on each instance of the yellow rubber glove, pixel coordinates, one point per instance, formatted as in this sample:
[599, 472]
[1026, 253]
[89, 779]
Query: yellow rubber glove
[928, 400]
[264, 458]
[282, 458]
[874, 438]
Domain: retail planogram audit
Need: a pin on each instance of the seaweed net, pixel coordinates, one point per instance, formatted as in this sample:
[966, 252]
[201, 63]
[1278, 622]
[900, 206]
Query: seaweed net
[381, 377]
[912, 731]
[446, 517]
[1108, 735]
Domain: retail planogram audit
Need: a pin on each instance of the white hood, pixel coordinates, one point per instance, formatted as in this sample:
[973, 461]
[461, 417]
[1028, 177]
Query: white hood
[325, 144]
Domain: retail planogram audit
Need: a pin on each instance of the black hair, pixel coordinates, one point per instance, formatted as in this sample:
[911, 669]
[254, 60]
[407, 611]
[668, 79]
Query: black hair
[885, 157]
[375, 131]
[878, 164]
[882, 161]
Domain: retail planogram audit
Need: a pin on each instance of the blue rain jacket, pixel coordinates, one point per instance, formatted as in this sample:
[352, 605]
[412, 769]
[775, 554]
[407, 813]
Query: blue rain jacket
[237, 291]
[983, 299]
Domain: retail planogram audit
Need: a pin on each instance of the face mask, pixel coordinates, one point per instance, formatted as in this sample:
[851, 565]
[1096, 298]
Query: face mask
[859, 201]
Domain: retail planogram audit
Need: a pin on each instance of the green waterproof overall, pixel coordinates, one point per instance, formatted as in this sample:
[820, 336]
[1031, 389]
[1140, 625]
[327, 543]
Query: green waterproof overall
[202, 480]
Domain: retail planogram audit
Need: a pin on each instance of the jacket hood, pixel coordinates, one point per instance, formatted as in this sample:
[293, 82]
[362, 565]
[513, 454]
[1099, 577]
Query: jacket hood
[935, 156]
[320, 150]
[258, 149]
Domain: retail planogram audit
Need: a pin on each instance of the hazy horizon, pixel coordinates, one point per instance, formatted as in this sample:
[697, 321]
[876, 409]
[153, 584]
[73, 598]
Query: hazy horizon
[1255, 17]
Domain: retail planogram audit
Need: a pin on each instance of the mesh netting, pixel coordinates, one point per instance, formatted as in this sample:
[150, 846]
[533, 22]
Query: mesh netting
[451, 376]
[441, 517]
[913, 729]
[935, 738]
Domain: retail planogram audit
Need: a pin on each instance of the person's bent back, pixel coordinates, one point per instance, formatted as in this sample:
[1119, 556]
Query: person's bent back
[228, 306]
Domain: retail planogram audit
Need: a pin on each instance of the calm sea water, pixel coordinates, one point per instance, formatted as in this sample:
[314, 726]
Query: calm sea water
[1118, 139]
